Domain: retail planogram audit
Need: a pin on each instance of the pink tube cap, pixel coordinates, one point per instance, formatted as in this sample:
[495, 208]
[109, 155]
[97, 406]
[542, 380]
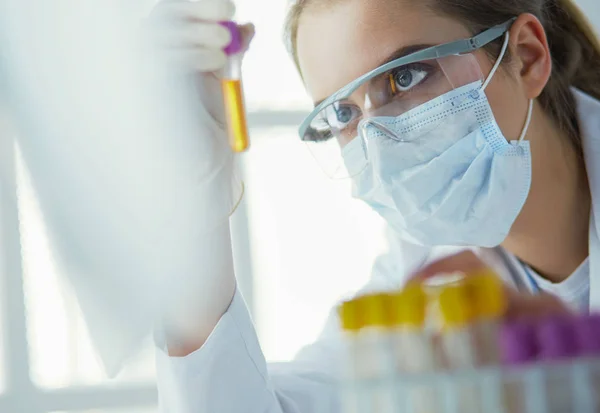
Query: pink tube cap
[235, 46]
[518, 343]
[556, 338]
[587, 334]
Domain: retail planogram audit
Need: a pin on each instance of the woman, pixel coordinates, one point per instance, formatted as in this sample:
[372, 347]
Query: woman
[471, 123]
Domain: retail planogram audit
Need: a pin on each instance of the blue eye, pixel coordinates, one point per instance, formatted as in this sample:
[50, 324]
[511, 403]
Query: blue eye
[405, 78]
[333, 121]
[343, 114]
[340, 115]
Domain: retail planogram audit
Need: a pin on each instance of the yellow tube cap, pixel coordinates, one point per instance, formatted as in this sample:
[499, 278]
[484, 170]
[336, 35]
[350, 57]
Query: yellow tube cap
[350, 315]
[455, 306]
[487, 294]
[377, 310]
[409, 307]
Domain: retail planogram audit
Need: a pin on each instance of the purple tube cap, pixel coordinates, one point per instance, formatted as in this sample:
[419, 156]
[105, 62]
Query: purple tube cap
[518, 343]
[556, 338]
[235, 46]
[587, 334]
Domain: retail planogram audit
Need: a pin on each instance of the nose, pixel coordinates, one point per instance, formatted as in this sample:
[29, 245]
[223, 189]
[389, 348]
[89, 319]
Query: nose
[364, 124]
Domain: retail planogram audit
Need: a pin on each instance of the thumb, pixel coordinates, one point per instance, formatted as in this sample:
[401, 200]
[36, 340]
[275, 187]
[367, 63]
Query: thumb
[247, 32]
[209, 83]
[464, 262]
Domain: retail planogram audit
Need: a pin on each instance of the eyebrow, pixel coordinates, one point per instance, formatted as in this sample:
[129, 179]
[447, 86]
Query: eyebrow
[403, 51]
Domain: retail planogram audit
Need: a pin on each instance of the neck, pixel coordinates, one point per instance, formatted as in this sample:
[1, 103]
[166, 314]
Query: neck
[552, 232]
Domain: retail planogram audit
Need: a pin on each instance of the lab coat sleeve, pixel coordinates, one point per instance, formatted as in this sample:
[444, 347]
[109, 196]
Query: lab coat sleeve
[229, 373]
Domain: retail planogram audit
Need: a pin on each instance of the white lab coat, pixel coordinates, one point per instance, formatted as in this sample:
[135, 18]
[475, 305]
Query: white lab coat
[229, 373]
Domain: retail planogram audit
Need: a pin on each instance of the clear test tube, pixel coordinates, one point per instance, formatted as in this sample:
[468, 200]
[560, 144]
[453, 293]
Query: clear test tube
[489, 303]
[587, 335]
[350, 314]
[377, 362]
[233, 93]
[518, 348]
[414, 350]
[459, 344]
[557, 347]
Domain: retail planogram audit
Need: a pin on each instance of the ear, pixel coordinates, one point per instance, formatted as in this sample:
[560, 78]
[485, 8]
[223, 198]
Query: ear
[531, 54]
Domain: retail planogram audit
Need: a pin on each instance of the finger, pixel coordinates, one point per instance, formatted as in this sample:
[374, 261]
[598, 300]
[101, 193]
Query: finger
[520, 305]
[206, 35]
[201, 10]
[464, 262]
[530, 307]
[247, 31]
[196, 59]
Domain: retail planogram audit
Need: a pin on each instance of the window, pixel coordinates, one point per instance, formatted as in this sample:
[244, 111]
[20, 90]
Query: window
[310, 242]
[272, 83]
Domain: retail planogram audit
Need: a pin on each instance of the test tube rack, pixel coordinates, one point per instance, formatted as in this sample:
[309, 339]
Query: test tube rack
[499, 389]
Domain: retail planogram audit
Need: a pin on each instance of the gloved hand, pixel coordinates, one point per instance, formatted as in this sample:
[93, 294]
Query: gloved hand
[187, 36]
[189, 33]
[189, 40]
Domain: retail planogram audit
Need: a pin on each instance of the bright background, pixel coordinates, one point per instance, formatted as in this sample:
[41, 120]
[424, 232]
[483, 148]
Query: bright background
[300, 244]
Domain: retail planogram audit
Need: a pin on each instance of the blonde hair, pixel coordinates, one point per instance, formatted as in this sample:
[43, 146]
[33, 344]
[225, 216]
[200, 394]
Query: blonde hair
[574, 46]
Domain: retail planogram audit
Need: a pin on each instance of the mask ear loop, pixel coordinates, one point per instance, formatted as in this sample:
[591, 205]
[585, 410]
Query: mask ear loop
[498, 61]
[527, 121]
[491, 75]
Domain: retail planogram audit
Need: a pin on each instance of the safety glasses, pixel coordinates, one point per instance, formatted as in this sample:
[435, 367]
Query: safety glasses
[391, 90]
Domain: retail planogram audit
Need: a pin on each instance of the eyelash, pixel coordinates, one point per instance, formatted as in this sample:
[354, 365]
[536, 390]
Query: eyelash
[421, 67]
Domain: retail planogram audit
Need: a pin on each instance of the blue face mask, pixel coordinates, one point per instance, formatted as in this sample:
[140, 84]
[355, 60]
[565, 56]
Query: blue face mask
[459, 183]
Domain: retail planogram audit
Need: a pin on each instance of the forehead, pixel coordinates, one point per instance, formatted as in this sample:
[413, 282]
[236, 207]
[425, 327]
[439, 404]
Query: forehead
[338, 43]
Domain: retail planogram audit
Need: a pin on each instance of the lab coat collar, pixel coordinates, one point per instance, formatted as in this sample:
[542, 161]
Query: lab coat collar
[588, 110]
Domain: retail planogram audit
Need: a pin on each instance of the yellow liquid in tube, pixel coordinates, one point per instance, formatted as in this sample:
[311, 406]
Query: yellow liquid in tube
[237, 124]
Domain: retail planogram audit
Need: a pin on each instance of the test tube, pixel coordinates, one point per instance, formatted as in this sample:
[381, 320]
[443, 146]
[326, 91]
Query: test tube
[489, 304]
[587, 335]
[518, 348]
[351, 321]
[458, 341]
[518, 344]
[557, 344]
[377, 357]
[233, 93]
[414, 350]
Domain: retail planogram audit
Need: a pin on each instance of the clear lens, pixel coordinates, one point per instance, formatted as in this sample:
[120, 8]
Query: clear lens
[391, 94]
